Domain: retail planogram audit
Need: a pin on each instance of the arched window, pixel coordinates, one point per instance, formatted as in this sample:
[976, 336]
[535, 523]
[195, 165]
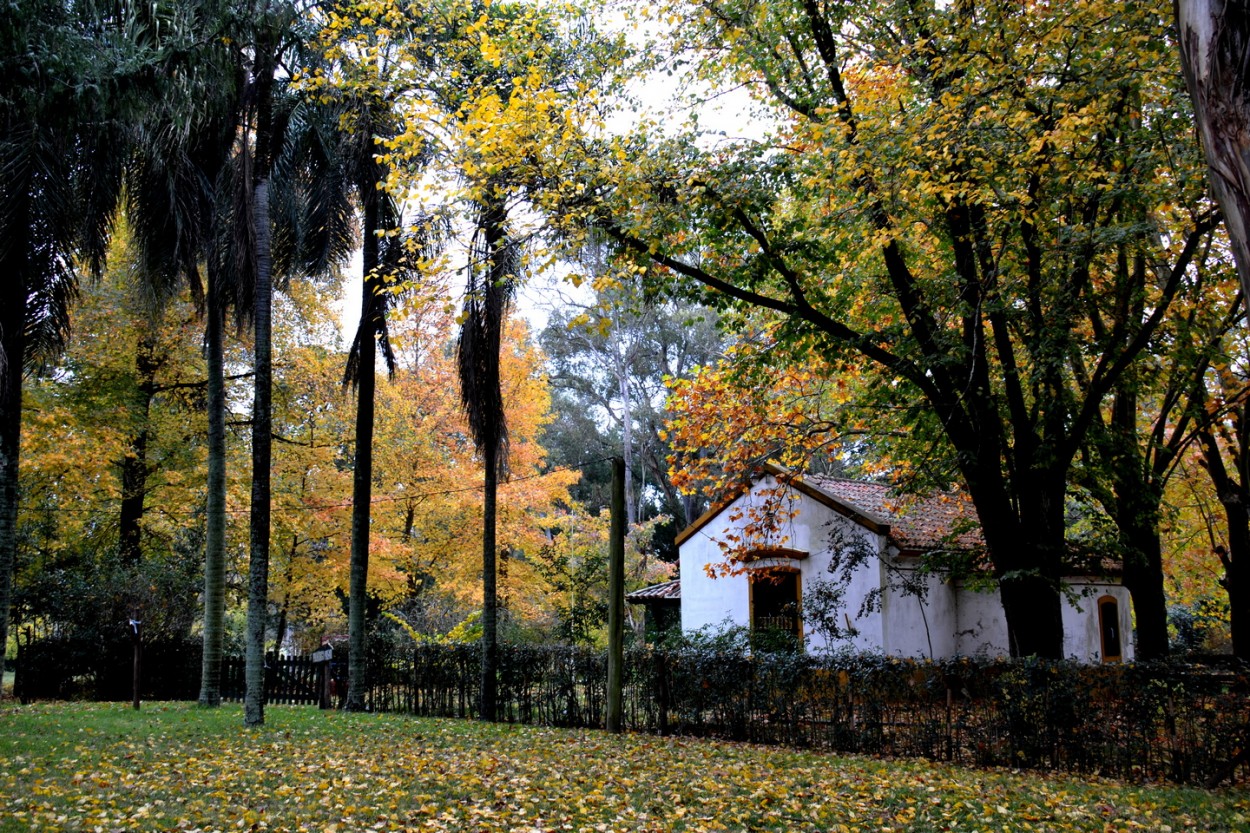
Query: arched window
[1109, 627]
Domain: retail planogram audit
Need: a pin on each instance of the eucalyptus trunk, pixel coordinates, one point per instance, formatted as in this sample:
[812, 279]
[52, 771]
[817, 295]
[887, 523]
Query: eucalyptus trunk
[215, 520]
[1215, 57]
[262, 441]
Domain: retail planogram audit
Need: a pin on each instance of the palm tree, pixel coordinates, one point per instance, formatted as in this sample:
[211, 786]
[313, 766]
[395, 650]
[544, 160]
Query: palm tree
[70, 71]
[494, 263]
[177, 182]
[381, 261]
[298, 215]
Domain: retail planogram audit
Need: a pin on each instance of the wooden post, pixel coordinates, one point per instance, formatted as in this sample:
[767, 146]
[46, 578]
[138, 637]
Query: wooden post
[136, 637]
[321, 659]
[616, 596]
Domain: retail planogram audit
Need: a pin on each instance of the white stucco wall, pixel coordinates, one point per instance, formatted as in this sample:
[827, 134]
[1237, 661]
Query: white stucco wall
[916, 626]
[708, 602]
[1082, 638]
[981, 627]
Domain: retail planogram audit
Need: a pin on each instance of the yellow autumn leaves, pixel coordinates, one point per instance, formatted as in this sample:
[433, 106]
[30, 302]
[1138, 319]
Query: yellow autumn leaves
[173, 767]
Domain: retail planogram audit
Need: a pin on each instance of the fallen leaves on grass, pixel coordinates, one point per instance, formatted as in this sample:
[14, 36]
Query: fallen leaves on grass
[103, 768]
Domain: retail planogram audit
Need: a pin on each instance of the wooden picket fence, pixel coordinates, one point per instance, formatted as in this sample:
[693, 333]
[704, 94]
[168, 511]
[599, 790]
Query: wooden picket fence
[55, 669]
[289, 680]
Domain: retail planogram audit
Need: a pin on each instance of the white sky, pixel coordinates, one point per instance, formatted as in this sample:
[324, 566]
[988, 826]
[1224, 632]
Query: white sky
[665, 99]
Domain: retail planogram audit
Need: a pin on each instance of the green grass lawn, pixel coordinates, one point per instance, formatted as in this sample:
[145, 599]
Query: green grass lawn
[176, 767]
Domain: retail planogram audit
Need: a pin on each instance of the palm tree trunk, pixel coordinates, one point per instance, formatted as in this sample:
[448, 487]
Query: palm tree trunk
[215, 521]
[13, 345]
[490, 591]
[362, 475]
[262, 427]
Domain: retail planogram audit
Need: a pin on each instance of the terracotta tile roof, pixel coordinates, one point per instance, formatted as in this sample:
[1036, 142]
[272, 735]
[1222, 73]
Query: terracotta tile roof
[667, 590]
[917, 523]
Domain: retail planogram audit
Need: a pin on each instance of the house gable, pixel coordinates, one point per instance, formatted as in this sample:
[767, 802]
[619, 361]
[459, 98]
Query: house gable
[867, 519]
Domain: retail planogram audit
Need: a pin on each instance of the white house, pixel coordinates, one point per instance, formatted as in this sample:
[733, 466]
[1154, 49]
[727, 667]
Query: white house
[800, 526]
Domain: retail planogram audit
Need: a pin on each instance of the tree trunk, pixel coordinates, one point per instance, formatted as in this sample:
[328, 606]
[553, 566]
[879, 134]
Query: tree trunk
[1234, 496]
[1236, 577]
[1215, 54]
[490, 621]
[134, 466]
[215, 512]
[1024, 533]
[627, 442]
[1033, 611]
[1143, 577]
[13, 345]
[262, 427]
[362, 473]
[1136, 515]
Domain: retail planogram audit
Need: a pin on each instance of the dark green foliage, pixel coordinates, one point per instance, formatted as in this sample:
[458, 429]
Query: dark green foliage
[92, 598]
[1181, 722]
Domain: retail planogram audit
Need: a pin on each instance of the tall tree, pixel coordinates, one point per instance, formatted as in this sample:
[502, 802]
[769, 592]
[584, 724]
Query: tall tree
[611, 359]
[970, 195]
[72, 74]
[379, 215]
[292, 216]
[493, 270]
[178, 196]
[463, 64]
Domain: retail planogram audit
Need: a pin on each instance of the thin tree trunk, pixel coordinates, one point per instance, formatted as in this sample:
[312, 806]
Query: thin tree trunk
[1234, 496]
[215, 520]
[362, 474]
[13, 345]
[490, 621]
[262, 427]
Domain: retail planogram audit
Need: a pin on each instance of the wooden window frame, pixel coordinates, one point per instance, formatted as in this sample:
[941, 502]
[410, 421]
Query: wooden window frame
[1102, 630]
[798, 592]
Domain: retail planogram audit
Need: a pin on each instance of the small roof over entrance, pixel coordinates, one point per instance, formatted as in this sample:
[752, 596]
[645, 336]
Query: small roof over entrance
[667, 591]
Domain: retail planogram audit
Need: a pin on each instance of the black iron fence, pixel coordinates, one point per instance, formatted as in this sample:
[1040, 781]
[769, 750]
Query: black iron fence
[1180, 722]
